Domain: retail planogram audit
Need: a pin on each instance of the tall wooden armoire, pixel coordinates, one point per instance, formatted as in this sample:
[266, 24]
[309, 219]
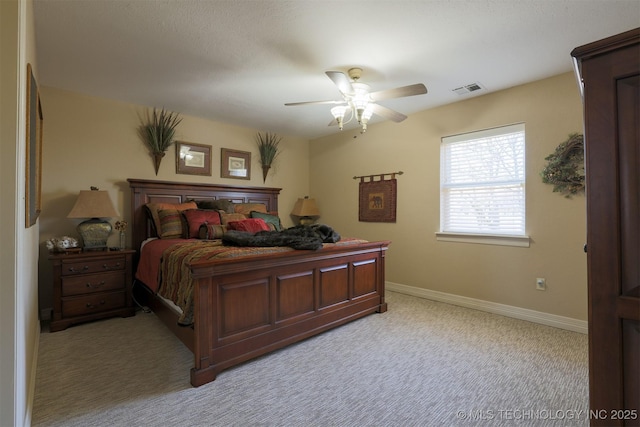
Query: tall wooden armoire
[609, 71]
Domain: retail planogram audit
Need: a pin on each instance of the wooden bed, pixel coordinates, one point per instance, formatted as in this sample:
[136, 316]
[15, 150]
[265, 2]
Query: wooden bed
[246, 307]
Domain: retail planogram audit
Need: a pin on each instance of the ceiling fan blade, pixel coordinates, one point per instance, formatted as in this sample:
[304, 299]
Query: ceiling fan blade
[340, 80]
[387, 113]
[289, 104]
[399, 92]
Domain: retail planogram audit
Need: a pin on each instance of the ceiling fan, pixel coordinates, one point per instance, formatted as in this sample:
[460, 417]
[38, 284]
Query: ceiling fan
[359, 103]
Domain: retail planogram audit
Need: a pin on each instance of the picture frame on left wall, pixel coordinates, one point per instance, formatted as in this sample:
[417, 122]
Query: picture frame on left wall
[33, 187]
[193, 159]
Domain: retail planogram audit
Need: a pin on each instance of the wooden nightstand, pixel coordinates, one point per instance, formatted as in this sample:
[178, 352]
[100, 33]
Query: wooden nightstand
[91, 285]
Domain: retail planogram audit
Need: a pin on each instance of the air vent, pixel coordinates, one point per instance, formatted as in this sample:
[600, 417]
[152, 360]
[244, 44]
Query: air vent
[463, 90]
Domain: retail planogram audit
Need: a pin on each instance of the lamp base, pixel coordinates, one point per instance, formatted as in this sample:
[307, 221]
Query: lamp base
[95, 233]
[306, 220]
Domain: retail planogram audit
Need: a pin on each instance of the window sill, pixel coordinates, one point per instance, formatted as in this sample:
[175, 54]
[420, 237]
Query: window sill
[484, 239]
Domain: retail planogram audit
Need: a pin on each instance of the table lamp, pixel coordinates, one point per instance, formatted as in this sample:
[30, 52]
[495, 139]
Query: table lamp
[94, 204]
[307, 210]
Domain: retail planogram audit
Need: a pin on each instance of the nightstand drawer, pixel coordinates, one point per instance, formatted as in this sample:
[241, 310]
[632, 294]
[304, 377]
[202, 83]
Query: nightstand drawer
[93, 266]
[90, 283]
[90, 286]
[92, 304]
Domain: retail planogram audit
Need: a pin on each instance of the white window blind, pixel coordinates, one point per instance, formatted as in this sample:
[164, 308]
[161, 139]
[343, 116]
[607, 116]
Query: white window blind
[482, 182]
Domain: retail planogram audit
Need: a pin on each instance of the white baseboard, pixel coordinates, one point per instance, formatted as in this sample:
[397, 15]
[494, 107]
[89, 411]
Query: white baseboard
[547, 319]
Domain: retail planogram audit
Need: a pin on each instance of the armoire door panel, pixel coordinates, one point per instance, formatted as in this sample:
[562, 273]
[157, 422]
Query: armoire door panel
[628, 94]
[610, 72]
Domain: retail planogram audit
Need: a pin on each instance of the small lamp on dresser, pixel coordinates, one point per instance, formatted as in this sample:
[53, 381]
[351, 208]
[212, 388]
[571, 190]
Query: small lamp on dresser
[306, 210]
[94, 204]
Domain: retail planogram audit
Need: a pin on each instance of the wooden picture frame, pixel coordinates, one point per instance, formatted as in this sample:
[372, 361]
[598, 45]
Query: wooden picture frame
[378, 201]
[235, 164]
[193, 159]
[34, 121]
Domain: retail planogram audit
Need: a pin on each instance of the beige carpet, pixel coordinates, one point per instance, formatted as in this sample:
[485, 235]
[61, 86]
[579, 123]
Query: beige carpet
[422, 363]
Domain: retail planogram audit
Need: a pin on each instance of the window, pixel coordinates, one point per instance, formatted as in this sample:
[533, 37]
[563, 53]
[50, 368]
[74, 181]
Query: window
[482, 184]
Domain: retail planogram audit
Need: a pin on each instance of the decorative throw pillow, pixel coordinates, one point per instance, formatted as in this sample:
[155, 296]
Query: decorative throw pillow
[171, 224]
[153, 209]
[273, 221]
[251, 225]
[218, 205]
[246, 208]
[197, 217]
[212, 231]
[226, 217]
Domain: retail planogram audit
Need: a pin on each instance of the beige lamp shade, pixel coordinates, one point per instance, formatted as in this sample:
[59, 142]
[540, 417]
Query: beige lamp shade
[306, 209]
[94, 204]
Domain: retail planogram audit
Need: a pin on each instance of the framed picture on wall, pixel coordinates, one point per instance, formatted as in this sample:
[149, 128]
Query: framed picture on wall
[193, 159]
[235, 164]
[34, 151]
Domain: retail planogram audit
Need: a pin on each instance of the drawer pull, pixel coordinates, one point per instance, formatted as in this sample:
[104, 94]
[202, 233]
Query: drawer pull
[99, 285]
[115, 267]
[74, 270]
[89, 305]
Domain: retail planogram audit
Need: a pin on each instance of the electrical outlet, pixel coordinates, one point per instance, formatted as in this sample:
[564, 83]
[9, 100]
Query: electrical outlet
[541, 284]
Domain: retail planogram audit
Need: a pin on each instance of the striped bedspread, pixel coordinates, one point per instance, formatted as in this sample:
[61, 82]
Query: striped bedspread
[175, 281]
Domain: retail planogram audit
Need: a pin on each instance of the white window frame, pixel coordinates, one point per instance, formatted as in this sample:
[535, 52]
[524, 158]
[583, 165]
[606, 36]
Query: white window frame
[479, 235]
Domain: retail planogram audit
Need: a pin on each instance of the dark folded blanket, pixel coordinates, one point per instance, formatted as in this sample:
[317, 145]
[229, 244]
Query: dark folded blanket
[300, 237]
[326, 233]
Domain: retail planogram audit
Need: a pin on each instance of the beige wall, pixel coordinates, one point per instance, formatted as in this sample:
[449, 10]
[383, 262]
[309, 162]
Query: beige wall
[93, 142]
[551, 109]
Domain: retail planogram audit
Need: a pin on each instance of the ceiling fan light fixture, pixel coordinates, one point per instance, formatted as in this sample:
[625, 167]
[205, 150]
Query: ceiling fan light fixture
[368, 112]
[360, 99]
[366, 115]
[338, 113]
[359, 103]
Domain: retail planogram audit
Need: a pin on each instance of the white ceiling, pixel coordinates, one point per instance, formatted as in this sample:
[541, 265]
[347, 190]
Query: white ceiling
[240, 61]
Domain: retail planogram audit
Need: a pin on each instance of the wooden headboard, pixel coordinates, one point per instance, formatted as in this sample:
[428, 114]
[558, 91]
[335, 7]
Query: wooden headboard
[147, 191]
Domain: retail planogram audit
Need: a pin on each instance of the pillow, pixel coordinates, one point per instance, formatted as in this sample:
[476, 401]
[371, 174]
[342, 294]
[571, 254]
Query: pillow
[226, 217]
[197, 217]
[218, 205]
[251, 225]
[211, 231]
[155, 207]
[271, 220]
[171, 224]
[246, 208]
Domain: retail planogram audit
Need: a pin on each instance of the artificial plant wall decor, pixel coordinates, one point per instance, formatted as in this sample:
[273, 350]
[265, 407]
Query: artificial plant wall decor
[268, 147]
[158, 130]
[565, 167]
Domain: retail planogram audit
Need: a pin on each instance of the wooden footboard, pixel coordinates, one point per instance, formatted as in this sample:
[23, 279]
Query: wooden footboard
[246, 308]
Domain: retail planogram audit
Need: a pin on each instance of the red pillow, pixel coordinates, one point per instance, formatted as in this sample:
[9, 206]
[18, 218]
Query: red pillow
[252, 225]
[197, 217]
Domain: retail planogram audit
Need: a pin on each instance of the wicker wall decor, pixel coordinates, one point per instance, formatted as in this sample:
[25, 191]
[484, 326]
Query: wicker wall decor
[565, 167]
